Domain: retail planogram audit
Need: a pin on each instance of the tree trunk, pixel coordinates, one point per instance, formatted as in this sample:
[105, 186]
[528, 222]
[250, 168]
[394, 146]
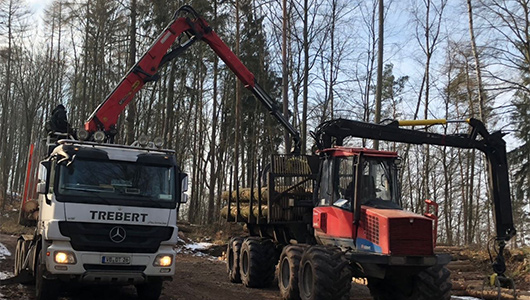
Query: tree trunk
[379, 85]
[131, 116]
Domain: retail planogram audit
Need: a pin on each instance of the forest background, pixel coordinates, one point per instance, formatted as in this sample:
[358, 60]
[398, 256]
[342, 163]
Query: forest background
[442, 59]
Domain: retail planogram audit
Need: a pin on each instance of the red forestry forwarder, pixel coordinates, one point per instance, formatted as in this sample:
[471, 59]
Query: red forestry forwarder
[354, 224]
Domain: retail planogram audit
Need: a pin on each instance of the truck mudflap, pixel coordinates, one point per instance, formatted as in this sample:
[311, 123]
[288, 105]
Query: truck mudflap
[399, 261]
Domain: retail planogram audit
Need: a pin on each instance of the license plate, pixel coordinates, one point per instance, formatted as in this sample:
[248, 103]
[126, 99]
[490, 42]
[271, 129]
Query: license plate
[116, 260]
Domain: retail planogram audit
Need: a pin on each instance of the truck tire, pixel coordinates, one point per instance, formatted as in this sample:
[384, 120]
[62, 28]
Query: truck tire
[257, 262]
[288, 269]
[44, 289]
[431, 284]
[18, 257]
[24, 253]
[233, 253]
[150, 290]
[324, 274]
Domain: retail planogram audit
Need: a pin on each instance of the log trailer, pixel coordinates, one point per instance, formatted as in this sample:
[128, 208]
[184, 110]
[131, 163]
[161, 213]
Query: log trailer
[354, 225]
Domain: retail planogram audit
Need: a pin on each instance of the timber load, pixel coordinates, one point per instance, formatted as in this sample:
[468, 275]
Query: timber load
[261, 204]
[30, 210]
[284, 196]
[244, 210]
[245, 194]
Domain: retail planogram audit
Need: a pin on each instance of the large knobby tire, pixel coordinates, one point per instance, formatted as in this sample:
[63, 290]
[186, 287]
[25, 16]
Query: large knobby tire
[150, 290]
[257, 262]
[288, 269]
[431, 284]
[44, 289]
[324, 274]
[233, 253]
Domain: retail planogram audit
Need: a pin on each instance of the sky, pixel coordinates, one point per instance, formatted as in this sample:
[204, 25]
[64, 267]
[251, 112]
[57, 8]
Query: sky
[38, 6]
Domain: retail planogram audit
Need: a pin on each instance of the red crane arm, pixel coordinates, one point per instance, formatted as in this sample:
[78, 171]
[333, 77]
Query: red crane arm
[146, 69]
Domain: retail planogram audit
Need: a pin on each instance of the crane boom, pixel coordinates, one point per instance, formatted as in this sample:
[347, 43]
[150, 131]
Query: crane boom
[146, 69]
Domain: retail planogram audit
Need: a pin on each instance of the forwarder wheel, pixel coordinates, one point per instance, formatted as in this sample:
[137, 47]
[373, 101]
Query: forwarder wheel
[257, 262]
[288, 270]
[432, 284]
[18, 257]
[324, 274]
[233, 252]
[44, 289]
[150, 290]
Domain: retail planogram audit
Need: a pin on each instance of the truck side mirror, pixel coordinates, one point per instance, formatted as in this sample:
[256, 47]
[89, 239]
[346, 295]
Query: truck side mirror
[183, 179]
[41, 187]
[183, 198]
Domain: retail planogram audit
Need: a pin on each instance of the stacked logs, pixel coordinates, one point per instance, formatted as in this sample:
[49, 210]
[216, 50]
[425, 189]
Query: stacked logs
[470, 278]
[31, 210]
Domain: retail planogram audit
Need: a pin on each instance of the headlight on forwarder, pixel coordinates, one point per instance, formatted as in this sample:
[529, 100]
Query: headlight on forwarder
[64, 257]
[163, 260]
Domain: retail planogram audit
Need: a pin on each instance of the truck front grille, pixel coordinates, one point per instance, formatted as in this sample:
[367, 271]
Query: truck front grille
[96, 237]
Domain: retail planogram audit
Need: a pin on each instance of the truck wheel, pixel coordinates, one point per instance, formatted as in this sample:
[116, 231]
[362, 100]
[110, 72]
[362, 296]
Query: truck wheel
[18, 257]
[257, 262]
[24, 252]
[233, 252]
[288, 271]
[44, 289]
[431, 284]
[324, 274]
[150, 290]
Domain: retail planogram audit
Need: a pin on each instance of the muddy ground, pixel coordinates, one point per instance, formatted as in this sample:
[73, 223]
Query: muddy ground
[197, 278]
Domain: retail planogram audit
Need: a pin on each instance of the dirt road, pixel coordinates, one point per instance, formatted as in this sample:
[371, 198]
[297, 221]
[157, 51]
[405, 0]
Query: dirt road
[197, 278]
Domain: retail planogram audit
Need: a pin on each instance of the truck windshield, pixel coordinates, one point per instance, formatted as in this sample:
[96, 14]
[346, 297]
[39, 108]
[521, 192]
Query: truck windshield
[116, 183]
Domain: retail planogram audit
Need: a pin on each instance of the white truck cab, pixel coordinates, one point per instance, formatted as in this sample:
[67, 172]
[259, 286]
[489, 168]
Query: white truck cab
[107, 215]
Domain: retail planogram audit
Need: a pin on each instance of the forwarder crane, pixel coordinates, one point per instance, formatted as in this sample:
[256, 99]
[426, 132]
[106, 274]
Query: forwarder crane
[105, 117]
[354, 223]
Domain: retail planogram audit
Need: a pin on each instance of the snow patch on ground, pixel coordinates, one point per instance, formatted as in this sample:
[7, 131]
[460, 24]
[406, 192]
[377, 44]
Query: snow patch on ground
[198, 246]
[5, 275]
[464, 298]
[4, 252]
[195, 249]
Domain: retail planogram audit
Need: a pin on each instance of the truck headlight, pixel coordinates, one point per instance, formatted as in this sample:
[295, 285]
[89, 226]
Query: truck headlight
[163, 260]
[64, 257]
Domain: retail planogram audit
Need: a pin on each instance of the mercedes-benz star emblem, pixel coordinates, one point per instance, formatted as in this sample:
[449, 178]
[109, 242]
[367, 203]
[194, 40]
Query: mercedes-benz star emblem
[117, 234]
